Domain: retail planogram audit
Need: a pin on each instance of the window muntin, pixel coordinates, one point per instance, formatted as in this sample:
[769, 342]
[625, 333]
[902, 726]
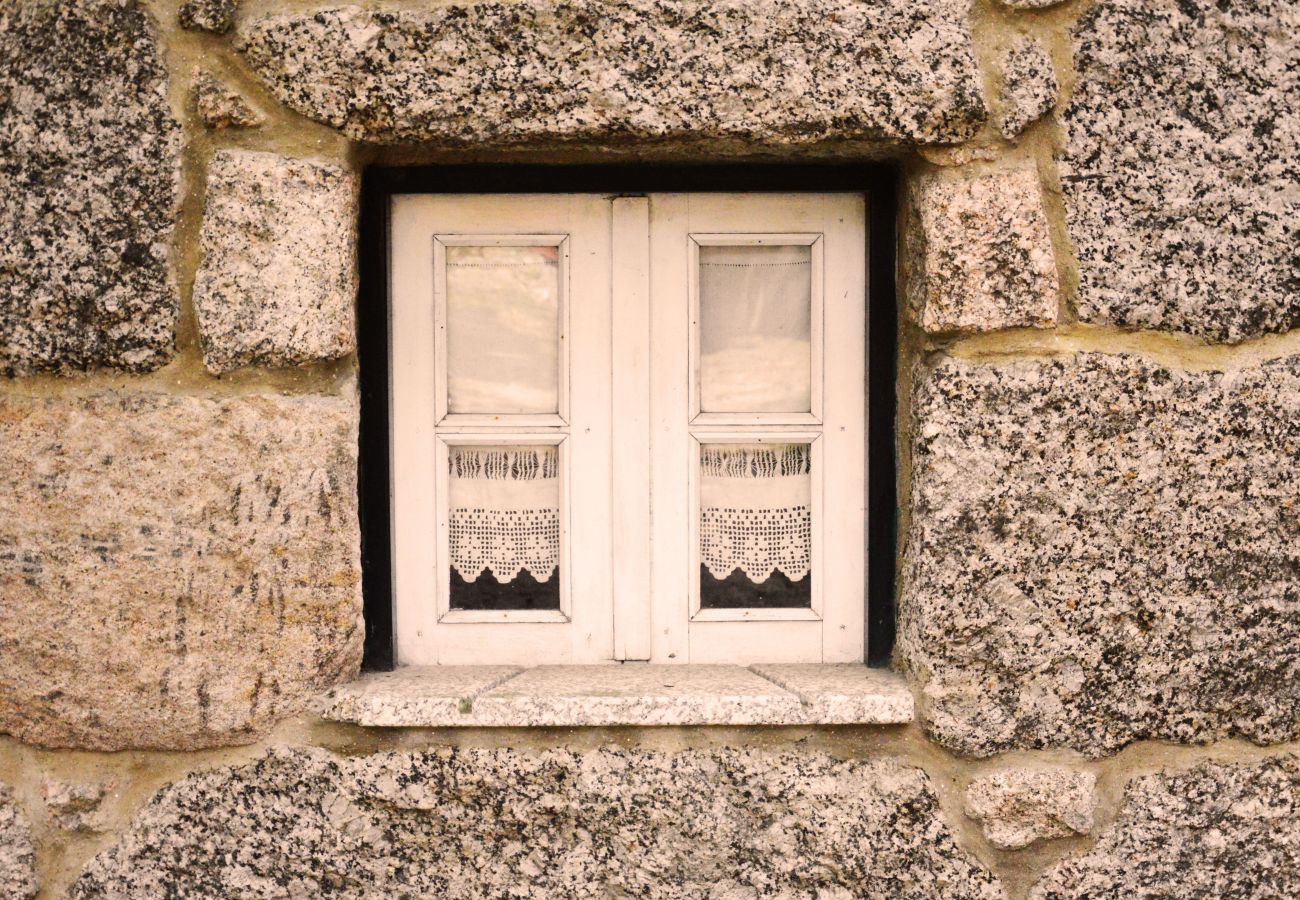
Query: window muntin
[636, 334]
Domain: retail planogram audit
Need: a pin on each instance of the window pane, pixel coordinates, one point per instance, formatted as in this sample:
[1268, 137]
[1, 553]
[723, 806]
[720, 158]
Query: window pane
[755, 525]
[505, 527]
[503, 329]
[756, 329]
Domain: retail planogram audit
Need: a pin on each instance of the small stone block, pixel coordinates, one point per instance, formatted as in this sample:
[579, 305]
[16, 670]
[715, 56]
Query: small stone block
[278, 281]
[637, 694]
[980, 253]
[848, 694]
[414, 696]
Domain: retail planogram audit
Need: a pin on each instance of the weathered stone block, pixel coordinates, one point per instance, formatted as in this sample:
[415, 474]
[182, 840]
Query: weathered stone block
[611, 71]
[17, 855]
[1215, 831]
[278, 282]
[217, 16]
[89, 181]
[1018, 806]
[980, 253]
[1103, 549]
[177, 572]
[75, 805]
[496, 823]
[220, 107]
[1029, 86]
[1179, 169]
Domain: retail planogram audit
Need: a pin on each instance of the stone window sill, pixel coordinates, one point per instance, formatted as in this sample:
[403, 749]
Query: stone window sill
[629, 694]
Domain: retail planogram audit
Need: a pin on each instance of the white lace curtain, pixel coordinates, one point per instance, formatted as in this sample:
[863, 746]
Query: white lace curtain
[756, 510]
[504, 511]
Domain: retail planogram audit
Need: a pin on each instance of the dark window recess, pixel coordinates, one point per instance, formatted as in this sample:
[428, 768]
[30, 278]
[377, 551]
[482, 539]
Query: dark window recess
[521, 592]
[525, 591]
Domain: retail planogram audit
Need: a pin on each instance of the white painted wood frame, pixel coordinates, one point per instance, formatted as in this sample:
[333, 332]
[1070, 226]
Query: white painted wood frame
[428, 632]
[629, 428]
[833, 630]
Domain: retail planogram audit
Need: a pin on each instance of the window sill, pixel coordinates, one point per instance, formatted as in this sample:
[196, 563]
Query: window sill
[634, 694]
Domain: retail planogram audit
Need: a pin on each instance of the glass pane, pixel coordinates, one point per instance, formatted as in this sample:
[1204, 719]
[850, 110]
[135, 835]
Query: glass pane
[755, 525]
[504, 527]
[503, 329]
[756, 329]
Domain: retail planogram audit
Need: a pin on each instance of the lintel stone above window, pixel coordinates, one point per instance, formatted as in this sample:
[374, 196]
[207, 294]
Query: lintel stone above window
[631, 694]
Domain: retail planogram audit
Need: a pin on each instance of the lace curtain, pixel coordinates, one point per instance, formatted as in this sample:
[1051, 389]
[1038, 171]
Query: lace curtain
[756, 510]
[504, 511]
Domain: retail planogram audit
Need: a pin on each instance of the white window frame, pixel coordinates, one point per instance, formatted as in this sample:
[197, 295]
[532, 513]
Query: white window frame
[477, 420]
[629, 428]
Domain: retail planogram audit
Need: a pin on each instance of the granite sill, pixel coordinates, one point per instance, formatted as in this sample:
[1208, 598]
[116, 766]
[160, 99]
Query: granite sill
[630, 694]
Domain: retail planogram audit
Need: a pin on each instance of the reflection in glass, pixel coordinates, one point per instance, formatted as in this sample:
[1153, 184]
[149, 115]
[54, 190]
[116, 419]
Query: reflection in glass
[503, 329]
[755, 526]
[756, 329]
[504, 535]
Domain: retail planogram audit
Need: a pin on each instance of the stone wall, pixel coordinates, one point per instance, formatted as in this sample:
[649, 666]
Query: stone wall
[1099, 428]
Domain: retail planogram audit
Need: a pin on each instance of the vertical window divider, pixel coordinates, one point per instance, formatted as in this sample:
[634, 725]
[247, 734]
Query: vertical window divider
[631, 435]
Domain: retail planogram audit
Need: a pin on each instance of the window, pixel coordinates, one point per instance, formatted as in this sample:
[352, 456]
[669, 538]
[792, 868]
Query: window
[627, 427]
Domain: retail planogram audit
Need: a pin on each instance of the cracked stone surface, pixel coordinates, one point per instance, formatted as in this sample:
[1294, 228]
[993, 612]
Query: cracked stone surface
[1029, 86]
[217, 16]
[1017, 806]
[220, 107]
[1102, 550]
[533, 71]
[1215, 831]
[980, 255]
[494, 823]
[277, 282]
[17, 855]
[1179, 169]
[89, 186]
[178, 572]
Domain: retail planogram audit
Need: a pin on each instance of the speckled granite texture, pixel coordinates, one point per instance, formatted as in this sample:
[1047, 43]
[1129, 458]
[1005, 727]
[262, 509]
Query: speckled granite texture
[1016, 806]
[89, 183]
[220, 107]
[609, 71]
[1181, 160]
[17, 855]
[1223, 831]
[1029, 86]
[277, 281]
[177, 572]
[1102, 550]
[217, 16]
[979, 253]
[497, 823]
